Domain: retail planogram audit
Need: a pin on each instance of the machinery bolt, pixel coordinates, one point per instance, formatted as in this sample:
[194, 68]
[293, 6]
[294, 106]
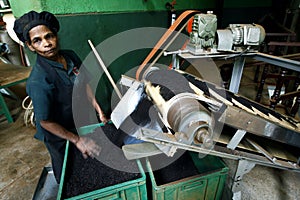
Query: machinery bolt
[203, 136]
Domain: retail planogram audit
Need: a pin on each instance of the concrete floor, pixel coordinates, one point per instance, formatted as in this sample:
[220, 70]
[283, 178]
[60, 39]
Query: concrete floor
[23, 159]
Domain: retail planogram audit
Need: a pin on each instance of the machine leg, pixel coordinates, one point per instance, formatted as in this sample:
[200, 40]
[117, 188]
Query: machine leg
[243, 168]
[237, 74]
[4, 110]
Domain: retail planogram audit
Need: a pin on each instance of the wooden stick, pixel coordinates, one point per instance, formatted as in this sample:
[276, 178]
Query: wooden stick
[104, 69]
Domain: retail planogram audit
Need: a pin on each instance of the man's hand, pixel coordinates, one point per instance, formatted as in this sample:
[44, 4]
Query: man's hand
[88, 147]
[103, 118]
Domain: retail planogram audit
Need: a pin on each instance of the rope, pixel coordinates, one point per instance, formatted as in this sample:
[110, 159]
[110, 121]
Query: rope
[29, 113]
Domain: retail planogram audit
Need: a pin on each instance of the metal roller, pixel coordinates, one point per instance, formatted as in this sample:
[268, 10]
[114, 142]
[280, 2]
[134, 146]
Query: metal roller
[180, 111]
[190, 120]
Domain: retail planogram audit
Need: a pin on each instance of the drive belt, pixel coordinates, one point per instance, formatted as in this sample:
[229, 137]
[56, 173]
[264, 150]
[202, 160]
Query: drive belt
[179, 22]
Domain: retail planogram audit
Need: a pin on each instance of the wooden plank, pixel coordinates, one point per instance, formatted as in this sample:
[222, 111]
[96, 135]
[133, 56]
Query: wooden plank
[12, 74]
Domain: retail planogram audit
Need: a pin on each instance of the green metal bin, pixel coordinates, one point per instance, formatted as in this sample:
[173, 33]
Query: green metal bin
[208, 184]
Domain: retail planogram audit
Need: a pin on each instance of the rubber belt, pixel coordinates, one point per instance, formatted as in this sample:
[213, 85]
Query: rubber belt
[163, 39]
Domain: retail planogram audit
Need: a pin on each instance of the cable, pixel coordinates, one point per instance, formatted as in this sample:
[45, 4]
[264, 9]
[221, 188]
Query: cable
[29, 112]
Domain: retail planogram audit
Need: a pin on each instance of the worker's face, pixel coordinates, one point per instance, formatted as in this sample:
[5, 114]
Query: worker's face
[43, 41]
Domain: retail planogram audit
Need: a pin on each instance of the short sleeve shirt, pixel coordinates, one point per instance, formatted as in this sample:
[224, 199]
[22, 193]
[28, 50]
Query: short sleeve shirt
[51, 101]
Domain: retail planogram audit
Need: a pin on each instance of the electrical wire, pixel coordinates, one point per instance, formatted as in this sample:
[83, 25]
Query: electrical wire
[29, 112]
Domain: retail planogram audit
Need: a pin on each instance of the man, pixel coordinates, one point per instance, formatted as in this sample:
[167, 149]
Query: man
[50, 87]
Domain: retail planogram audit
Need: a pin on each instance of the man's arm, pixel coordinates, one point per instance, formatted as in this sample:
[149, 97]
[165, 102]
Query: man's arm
[95, 104]
[85, 145]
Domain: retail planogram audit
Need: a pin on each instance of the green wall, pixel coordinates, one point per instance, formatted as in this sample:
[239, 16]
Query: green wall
[77, 29]
[97, 20]
[19, 7]
[247, 3]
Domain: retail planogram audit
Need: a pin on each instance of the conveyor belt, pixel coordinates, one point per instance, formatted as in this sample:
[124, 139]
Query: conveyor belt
[271, 138]
[245, 114]
[240, 113]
